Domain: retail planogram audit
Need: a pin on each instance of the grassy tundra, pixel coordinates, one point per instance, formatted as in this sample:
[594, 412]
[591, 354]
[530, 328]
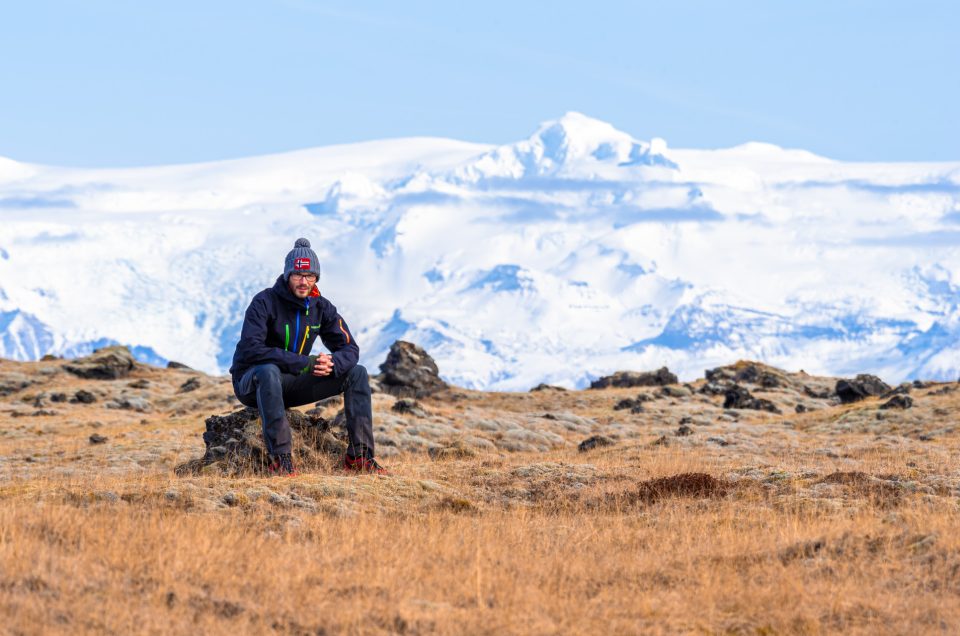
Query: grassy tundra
[840, 518]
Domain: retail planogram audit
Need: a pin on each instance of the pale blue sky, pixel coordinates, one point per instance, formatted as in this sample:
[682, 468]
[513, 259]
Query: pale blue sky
[118, 83]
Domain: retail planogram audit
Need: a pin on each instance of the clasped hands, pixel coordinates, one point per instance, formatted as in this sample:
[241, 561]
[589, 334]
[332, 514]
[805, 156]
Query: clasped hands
[320, 366]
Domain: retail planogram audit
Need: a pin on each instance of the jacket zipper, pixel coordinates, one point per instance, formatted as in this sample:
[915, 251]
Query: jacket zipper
[306, 330]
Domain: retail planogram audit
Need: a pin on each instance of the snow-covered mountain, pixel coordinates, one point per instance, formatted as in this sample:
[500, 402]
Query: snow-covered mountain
[559, 258]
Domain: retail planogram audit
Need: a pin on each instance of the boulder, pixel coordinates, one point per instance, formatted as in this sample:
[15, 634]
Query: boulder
[108, 363]
[898, 402]
[13, 382]
[409, 407]
[861, 387]
[738, 397]
[234, 443]
[547, 387]
[627, 379]
[747, 373]
[409, 371]
[597, 441]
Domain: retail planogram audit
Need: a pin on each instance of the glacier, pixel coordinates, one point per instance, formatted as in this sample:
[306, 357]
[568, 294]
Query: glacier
[558, 258]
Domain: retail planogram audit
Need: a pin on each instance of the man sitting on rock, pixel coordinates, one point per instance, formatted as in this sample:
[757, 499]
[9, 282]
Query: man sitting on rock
[273, 369]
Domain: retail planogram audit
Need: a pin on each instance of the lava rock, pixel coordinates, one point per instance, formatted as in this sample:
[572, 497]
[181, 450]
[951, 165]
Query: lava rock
[234, 442]
[627, 379]
[190, 385]
[97, 438]
[898, 402]
[13, 382]
[679, 392]
[901, 389]
[130, 403]
[822, 394]
[712, 388]
[173, 364]
[409, 371]
[409, 407]
[738, 397]
[547, 387]
[597, 441]
[860, 387]
[84, 397]
[683, 431]
[108, 363]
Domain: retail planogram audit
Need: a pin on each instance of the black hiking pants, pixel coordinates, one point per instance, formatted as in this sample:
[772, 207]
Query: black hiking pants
[265, 388]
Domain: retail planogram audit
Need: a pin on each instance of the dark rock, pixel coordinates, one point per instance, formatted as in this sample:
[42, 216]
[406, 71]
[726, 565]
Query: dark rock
[679, 392]
[920, 384]
[627, 379]
[129, 403]
[597, 441]
[712, 388]
[663, 440]
[58, 397]
[409, 407]
[822, 394]
[898, 402]
[738, 397]
[139, 384]
[409, 371]
[49, 357]
[720, 375]
[97, 438]
[901, 389]
[800, 408]
[13, 382]
[686, 419]
[861, 387]
[234, 442]
[683, 431]
[173, 364]
[625, 403]
[191, 384]
[547, 387]
[84, 397]
[745, 372]
[719, 441]
[332, 400]
[109, 363]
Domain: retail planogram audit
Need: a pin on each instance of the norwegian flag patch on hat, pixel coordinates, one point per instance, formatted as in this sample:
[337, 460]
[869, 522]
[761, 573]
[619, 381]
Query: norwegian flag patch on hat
[301, 259]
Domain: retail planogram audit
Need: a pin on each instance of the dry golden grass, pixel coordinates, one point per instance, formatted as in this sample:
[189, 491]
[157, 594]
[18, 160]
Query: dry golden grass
[774, 537]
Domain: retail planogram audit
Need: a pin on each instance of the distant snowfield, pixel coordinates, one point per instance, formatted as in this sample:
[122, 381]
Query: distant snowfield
[559, 258]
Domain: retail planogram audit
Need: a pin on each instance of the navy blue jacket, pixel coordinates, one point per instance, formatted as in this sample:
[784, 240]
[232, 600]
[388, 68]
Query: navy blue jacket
[280, 329]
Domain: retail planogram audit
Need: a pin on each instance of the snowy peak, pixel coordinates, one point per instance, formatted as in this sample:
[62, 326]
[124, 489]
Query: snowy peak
[574, 146]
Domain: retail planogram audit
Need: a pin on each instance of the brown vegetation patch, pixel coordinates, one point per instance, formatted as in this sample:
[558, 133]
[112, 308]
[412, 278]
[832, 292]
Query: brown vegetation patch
[697, 485]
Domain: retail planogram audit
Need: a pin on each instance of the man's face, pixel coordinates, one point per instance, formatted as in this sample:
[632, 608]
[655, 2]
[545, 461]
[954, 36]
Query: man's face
[301, 284]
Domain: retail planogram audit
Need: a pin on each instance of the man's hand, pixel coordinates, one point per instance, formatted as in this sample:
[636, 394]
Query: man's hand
[324, 365]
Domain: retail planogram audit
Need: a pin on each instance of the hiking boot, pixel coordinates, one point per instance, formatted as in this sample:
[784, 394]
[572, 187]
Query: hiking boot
[363, 465]
[282, 465]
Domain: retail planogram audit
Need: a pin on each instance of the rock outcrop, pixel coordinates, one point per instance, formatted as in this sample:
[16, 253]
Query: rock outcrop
[860, 388]
[738, 397]
[234, 443]
[409, 371]
[628, 379]
[108, 363]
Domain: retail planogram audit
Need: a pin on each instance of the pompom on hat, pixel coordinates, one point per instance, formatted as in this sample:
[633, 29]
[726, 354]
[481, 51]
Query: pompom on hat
[302, 260]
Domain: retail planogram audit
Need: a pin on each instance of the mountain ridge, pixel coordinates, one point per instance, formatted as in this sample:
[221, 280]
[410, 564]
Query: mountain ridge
[564, 256]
